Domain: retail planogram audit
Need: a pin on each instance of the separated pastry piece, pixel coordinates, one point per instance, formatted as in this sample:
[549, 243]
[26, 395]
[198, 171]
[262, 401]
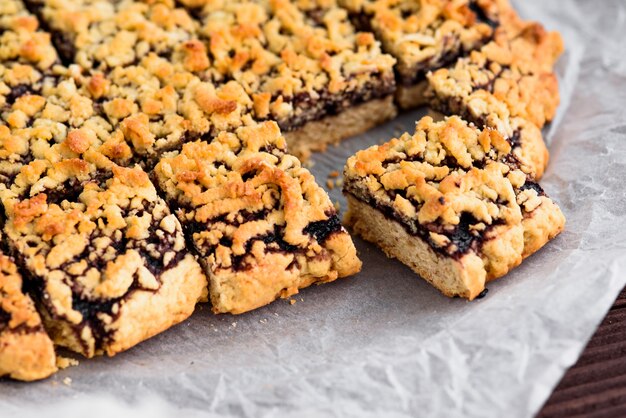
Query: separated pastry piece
[34, 123]
[303, 63]
[262, 227]
[508, 85]
[451, 202]
[27, 56]
[26, 351]
[106, 260]
[100, 35]
[424, 35]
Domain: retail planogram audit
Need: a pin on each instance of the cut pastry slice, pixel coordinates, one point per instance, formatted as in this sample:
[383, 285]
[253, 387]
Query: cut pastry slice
[104, 256]
[303, 63]
[451, 202]
[261, 225]
[508, 85]
[425, 35]
[26, 351]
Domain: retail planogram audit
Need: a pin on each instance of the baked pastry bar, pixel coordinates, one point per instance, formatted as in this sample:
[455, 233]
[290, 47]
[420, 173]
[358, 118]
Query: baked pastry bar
[26, 351]
[424, 35]
[451, 202]
[261, 225]
[508, 85]
[26, 53]
[304, 65]
[106, 260]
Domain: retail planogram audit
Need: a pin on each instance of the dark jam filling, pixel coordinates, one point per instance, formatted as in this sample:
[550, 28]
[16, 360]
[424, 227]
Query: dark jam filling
[19, 91]
[462, 238]
[482, 16]
[321, 230]
[531, 185]
[309, 109]
[5, 318]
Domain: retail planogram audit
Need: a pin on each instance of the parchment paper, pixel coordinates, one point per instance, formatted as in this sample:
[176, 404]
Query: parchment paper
[384, 343]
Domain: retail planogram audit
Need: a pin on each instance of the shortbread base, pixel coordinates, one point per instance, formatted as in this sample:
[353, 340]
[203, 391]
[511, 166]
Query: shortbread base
[410, 97]
[316, 136]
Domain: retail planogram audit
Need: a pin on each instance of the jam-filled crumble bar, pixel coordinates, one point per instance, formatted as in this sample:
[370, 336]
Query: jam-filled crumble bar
[26, 351]
[451, 202]
[261, 225]
[105, 258]
[507, 85]
[424, 35]
[303, 63]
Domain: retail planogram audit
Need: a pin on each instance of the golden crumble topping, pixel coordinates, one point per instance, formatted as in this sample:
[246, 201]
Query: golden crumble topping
[26, 53]
[300, 60]
[17, 311]
[255, 214]
[103, 34]
[32, 125]
[91, 234]
[424, 35]
[26, 351]
[451, 184]
[517, 71]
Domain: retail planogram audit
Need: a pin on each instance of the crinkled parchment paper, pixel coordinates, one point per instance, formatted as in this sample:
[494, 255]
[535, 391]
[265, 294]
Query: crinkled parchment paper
[384, 343]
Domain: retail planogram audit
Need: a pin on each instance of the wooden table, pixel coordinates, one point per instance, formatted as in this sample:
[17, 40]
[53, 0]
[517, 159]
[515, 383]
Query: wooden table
[596, 385]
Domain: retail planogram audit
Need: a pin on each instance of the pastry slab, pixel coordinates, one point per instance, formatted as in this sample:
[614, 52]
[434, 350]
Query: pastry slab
[425, 35]
[508, 85]
[26, 351]
[302, 62]
[451, 202]
[105, 257]
[261, 225]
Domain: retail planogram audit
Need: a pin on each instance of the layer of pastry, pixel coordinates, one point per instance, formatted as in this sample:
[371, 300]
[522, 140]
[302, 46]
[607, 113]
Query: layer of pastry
[317, 135]
[458, 190]
[427, 35]
[299, 60]
[26, 53]
[106, 260]
[516, 69]
[26, 351]
[261, 225]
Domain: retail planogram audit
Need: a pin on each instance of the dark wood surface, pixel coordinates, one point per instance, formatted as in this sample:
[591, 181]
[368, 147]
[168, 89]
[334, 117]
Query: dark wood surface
[596, 385]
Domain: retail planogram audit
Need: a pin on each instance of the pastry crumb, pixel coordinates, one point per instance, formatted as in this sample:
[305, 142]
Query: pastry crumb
[65, 362]
[333, 174]
[67, 381]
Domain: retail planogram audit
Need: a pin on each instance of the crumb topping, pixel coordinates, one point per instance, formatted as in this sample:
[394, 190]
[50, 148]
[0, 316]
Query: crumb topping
[428, 34]
[17, 311]
[102, 35]
[507, 77]
[449, 182]
[35, 124]
[90, 232]
[242, 198]
[300, 60]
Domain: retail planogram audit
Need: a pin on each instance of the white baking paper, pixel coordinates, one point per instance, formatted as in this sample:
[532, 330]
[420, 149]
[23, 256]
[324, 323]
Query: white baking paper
[384, 343]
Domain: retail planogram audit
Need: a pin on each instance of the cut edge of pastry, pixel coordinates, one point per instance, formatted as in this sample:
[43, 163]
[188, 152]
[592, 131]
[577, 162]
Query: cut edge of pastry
[317, 135]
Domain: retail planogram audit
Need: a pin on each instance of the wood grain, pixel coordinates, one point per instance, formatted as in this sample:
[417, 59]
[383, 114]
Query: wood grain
[596, 385]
